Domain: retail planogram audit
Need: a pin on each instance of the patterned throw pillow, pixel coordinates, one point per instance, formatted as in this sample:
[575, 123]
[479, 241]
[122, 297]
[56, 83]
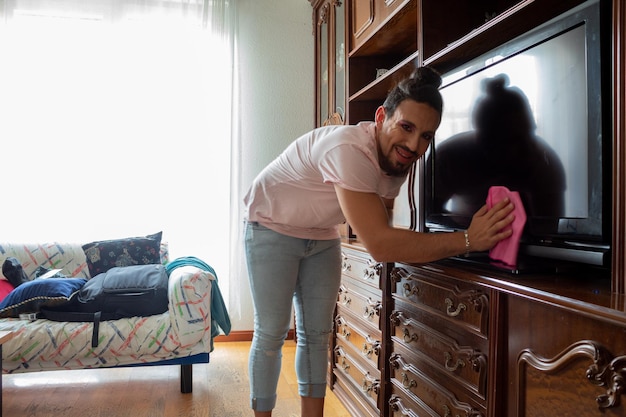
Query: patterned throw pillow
[32, 295]
[104, 255]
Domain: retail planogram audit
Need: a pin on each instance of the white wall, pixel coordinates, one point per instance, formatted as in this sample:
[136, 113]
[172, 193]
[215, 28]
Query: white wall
[277, 92]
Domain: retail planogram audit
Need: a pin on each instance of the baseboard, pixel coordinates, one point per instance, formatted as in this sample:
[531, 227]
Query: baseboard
[244, 336]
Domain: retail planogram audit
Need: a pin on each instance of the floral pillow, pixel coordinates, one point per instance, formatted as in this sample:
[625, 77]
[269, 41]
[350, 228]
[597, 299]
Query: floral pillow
[104, 255]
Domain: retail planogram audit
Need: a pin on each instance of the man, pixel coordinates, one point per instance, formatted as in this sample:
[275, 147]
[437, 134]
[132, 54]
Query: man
[294, 207]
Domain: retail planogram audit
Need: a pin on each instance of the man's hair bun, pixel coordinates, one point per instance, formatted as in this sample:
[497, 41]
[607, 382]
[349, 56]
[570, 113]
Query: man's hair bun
[422, 86]
[426, 76]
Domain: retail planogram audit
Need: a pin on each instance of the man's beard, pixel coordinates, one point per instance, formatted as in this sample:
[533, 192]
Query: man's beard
[391, 169]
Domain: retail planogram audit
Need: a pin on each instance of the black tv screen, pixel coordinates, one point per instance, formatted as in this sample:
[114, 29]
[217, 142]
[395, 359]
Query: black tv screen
[529, 116]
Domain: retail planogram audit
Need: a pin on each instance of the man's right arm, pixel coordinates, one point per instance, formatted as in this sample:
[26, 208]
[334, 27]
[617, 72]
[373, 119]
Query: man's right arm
[367, 215]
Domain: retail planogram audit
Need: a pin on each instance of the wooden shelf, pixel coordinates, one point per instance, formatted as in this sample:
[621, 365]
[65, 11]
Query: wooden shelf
[378, 89]
[514, 22]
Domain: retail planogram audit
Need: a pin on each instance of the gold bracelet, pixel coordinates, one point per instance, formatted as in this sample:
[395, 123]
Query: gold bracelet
[467, 242]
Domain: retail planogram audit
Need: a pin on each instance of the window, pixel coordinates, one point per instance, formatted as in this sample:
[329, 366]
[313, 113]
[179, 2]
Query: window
[115, 122]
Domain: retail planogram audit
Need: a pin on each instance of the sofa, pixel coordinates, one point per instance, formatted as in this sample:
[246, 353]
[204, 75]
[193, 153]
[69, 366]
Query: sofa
[182, 335]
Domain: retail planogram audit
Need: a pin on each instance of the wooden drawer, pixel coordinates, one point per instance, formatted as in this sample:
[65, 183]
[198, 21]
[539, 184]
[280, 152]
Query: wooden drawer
[402, 406]
[463, 304]
[351, 397]
[360, 376]
[432, 400]
[462, 362]
[361, 267]
[362, 304]
[361, 340]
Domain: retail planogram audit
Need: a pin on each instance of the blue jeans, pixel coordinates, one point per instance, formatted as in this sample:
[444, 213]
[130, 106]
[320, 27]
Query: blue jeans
[283, 269]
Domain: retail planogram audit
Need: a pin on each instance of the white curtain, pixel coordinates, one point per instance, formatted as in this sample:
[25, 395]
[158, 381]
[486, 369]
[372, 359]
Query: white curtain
[116, 121]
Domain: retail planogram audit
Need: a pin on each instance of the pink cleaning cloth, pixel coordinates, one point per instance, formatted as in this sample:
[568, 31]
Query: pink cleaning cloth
[506, 250]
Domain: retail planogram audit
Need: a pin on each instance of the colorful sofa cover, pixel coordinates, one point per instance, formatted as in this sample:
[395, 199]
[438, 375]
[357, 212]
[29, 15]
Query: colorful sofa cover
[182, 335]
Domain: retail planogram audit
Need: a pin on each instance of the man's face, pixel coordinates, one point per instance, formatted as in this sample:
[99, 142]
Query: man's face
[404, 136]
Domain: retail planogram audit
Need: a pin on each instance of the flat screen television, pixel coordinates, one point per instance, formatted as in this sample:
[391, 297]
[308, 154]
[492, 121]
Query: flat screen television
[530, 115]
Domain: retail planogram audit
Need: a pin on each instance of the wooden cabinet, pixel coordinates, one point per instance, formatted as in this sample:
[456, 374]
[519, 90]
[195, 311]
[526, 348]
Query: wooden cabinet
[358, 342]
[329, 19]
[447, 338]
[473, 342]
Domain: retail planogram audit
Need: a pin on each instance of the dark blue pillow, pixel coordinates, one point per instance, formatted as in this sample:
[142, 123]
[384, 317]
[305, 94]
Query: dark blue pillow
[32, 295]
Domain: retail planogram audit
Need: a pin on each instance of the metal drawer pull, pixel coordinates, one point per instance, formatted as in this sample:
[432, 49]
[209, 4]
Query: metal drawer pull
[372, 270]
[365, 386]
[408, 383]
[371, 348]
[454, 312]
[373, 386]
[345, 265]
[450, 366]
[367, 350]
[344, 365]
[345, 300]
[410, 289]
[372, 309]
[408, 337]
[345, 332]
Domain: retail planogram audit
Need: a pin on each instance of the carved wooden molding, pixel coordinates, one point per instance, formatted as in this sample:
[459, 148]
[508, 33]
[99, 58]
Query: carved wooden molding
[323, 17]
[606, 371]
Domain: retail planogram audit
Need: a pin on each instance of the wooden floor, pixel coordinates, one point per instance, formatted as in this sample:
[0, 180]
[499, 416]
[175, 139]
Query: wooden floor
[220, 389]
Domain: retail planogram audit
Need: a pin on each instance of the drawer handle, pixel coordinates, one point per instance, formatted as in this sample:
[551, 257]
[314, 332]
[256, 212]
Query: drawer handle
[408, 337]
[406, 382]
[345, 265]
[373, 309]
[450, 366]
[345, 300]
[410, 289]
[373, 386]
[370, 349]
[372, 270]
[344, 364]
[365, 386]
[367, 350]
[454, 312]
[345, 332]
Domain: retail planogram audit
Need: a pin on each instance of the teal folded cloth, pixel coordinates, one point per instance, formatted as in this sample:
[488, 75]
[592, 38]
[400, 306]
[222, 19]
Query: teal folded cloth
[219, 314]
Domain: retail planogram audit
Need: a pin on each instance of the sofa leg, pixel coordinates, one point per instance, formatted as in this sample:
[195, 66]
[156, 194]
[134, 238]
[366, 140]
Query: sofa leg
[186, 378]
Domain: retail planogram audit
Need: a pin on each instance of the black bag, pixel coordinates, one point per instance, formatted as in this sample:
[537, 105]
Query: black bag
[128, 291]
[13, 272]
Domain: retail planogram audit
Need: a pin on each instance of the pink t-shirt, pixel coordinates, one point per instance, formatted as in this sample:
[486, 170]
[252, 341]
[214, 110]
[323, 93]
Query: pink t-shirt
[295, 195]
